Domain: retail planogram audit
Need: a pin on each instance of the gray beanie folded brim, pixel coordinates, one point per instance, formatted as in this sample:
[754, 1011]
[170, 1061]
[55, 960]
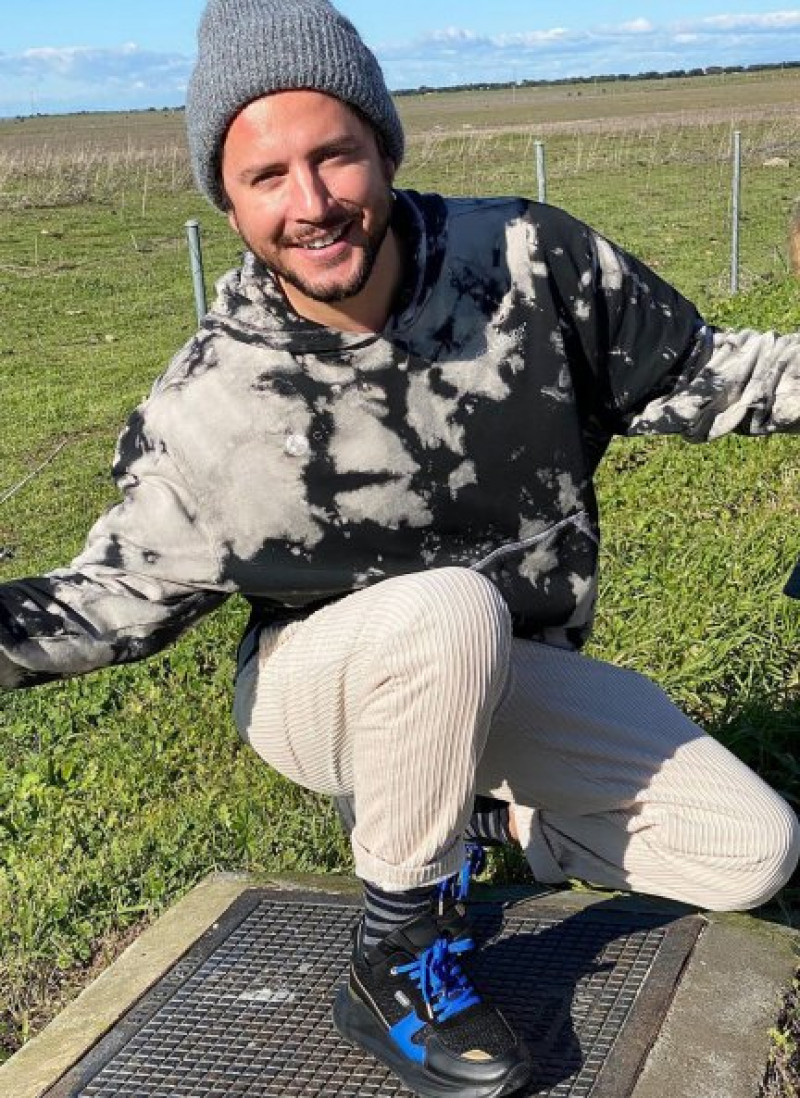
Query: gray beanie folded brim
[249, 48]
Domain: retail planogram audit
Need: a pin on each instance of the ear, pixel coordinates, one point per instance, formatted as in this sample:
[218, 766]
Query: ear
[234, 224]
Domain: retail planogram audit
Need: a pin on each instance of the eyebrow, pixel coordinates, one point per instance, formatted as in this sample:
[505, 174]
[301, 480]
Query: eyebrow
[345, 143]
[247, 175]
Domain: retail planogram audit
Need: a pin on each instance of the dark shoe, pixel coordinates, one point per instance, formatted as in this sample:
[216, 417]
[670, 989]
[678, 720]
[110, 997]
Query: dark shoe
[411, 1005]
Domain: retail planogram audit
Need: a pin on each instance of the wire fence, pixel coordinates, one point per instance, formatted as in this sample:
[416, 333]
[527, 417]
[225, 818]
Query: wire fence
[664, 192]
[676, 195]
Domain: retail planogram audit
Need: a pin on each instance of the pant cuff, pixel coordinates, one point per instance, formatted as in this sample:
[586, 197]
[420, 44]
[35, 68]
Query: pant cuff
[400, 878]
[535, 846]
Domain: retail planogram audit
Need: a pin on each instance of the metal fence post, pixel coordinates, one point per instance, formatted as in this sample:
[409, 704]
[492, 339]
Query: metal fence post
[541, 171]
[198, 278]
[737, 197]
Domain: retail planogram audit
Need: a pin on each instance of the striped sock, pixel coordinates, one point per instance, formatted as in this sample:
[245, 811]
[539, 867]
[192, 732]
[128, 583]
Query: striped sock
[386, 911]
[489, 823]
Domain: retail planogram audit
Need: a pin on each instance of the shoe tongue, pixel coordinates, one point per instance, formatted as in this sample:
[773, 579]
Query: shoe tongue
[413, 938]
[425, 929]
[422, 932]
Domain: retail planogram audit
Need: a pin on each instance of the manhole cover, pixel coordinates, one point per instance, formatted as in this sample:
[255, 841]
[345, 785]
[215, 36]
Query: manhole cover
[246, 1012]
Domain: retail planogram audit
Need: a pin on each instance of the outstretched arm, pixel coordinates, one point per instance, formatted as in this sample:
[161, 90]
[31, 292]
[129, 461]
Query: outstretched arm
[655, 367]
[147, 572]
[745, 382]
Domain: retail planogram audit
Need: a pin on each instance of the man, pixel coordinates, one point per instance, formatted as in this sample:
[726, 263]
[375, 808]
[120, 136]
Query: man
[384, 436]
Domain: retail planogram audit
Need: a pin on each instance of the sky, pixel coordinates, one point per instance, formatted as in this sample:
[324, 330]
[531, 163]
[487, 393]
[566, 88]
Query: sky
[66, 55]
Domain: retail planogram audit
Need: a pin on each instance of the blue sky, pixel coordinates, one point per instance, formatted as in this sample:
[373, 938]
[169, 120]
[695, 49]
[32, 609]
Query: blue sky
[61, 55]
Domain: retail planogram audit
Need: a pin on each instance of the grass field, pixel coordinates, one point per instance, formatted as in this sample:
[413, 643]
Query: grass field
[120, 790]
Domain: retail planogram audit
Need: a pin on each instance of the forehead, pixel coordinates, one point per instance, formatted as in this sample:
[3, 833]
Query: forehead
[290, 118]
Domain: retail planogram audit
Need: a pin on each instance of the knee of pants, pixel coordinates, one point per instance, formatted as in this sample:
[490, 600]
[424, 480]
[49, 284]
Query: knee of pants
[450, 608]
[765, 857]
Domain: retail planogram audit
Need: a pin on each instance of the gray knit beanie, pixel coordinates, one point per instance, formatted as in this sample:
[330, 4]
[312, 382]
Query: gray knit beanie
[248, 48]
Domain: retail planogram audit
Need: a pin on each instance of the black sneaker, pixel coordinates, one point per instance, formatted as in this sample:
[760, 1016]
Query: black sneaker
[411, 1005]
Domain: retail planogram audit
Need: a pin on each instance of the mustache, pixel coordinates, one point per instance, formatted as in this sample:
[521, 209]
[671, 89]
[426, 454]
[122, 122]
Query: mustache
[342, 219]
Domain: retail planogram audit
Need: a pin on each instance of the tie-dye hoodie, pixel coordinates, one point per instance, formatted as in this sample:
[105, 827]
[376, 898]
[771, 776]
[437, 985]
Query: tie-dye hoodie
[293, 464]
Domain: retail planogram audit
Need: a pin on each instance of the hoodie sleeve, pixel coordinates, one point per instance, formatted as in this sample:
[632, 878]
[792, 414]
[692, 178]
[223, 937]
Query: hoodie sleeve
[745, 382]
[147, 572]
[655, 366]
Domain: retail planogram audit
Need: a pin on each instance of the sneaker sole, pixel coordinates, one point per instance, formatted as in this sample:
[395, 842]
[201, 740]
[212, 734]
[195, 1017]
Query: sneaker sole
[358, 1025]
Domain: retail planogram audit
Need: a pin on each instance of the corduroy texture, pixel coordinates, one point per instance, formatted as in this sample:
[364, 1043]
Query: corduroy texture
[249, 48]
[395, 694]
[627, 792]
[387, 695]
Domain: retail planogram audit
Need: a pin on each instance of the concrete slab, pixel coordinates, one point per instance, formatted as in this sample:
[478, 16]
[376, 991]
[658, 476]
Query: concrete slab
[713, 1041]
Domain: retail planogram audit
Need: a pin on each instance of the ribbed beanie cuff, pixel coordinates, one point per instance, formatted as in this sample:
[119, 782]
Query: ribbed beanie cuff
[248, 48]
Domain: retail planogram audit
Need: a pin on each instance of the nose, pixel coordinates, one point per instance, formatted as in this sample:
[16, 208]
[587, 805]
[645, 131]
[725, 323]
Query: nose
[309, 196]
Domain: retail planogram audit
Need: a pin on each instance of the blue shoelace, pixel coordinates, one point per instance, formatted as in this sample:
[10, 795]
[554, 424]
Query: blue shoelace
[436, 972]
[444, 987]
[457, 887]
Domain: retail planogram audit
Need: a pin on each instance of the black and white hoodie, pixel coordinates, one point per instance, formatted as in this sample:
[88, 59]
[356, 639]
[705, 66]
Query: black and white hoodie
[293, 464]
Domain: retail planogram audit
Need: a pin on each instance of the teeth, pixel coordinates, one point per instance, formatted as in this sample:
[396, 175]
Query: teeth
[326, 241]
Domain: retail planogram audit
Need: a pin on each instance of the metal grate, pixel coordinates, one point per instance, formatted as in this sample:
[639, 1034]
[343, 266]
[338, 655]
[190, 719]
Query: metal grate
[246, 1014]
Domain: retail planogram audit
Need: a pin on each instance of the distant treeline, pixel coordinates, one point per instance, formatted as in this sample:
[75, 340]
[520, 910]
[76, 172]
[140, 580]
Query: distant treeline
[425, 89]
[607, 78]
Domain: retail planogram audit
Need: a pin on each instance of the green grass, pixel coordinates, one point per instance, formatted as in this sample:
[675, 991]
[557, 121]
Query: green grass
[783, 1071]
[120, 790]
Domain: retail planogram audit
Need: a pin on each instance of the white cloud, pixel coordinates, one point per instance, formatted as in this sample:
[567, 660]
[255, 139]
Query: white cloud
[50, 78]
[536, 38]
[453, 34]
[559, 51]
[638, 26]
[766, 21]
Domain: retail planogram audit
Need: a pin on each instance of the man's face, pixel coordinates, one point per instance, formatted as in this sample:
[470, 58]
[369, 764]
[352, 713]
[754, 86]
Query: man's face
[310, 192]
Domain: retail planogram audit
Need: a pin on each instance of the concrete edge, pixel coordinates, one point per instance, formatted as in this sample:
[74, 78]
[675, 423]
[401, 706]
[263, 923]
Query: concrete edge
[714, 1040]
[40, 1063]
[711, 1043]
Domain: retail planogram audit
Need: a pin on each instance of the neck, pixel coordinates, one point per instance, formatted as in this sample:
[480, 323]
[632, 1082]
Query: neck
[366, 311]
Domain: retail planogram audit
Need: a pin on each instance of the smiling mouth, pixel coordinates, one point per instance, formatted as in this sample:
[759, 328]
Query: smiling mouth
[317, 243]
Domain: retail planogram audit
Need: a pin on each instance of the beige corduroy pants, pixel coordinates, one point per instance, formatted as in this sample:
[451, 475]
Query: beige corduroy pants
[411, 696]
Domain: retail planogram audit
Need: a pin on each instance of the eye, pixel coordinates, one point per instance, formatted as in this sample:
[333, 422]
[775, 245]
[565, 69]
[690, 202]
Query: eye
[344, 154]
[268, 178]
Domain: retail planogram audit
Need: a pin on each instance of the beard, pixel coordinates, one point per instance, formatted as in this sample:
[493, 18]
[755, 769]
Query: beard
[326, 290]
